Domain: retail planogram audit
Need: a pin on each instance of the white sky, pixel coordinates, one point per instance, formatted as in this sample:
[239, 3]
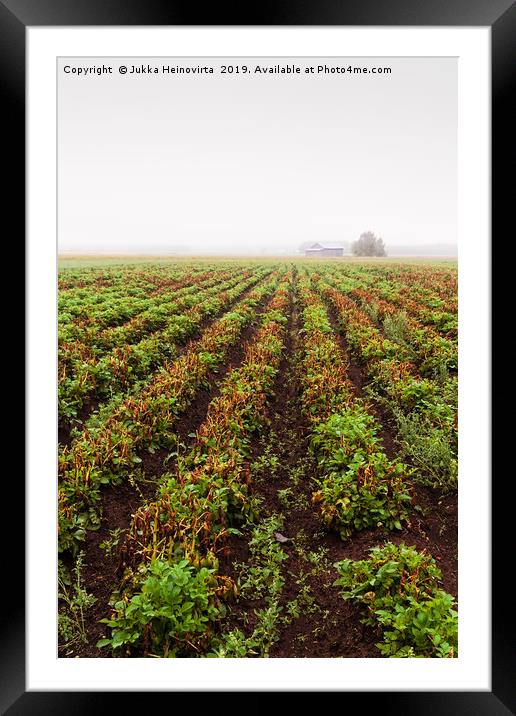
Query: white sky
[255, 163]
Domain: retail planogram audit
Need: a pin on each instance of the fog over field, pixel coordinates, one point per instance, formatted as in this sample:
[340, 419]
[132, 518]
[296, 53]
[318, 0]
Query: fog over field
[257, 165]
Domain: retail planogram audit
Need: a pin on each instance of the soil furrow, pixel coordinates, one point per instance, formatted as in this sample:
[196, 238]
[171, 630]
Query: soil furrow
[119, 502]
[326, 626]
[434, 521]
[93, 403]
[315, 621]
[386, 431]
[287, 604]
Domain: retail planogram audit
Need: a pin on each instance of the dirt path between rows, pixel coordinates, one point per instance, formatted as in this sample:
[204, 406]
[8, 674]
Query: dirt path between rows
[314, 620]
[434, 519]
[102, 569]
[325, 625]
[93, 402]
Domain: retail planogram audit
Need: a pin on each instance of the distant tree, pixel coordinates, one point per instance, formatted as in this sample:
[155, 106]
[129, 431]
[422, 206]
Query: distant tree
[368, 245]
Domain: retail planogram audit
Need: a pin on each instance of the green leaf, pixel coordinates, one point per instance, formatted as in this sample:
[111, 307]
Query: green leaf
[103, 642]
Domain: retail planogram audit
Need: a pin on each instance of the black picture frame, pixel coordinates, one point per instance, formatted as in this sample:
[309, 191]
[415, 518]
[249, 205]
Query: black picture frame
[500, 16]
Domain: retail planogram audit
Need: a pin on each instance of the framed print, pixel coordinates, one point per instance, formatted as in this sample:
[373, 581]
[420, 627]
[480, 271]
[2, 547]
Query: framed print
[258, 290]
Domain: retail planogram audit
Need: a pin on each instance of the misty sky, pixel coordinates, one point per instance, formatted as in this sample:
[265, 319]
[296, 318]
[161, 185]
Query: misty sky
[250, 163]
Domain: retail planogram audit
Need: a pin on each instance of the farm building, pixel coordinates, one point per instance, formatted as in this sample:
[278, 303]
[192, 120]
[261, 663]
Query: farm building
[320, 250]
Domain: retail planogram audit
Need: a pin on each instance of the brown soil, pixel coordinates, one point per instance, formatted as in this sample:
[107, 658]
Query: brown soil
[333, 628]
[434, 524]
[102, 572]
[386, 430]
[93, 402]
[99, 574]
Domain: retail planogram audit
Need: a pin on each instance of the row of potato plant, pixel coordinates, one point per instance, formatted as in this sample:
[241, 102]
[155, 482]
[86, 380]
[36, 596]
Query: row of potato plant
[146, 313]
[359, 486]
[398, 589]
[156, 317]
[82, 341]
[432, 330]
[424, 409]
[414, 342]
[110, 406]
[108, 452]
[101, 341]
[114, 303]
[97, 284]
[418, 302]
[433, 288]
[175, 538]
[87, 315]
[381, 357]
[124, 366]
[73, 279]
[77, 360]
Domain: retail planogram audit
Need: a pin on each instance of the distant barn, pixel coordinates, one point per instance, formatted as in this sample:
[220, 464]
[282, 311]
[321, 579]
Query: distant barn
[320, 250]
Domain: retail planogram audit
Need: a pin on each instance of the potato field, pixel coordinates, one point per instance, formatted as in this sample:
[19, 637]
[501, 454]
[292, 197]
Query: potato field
[257, 459]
